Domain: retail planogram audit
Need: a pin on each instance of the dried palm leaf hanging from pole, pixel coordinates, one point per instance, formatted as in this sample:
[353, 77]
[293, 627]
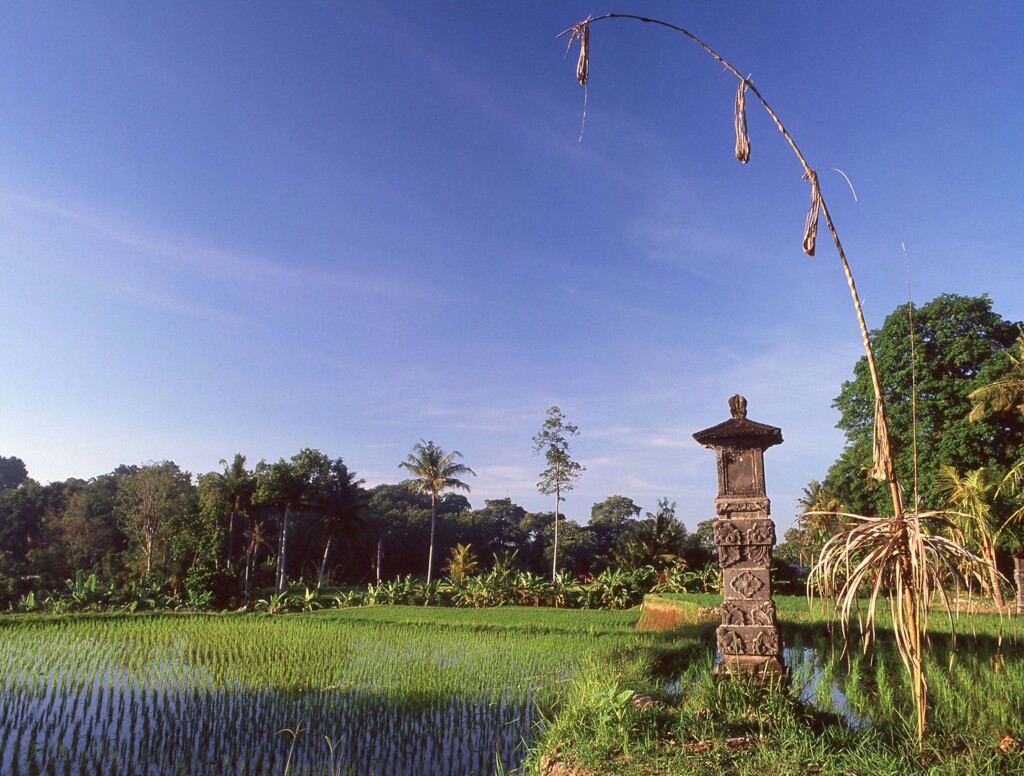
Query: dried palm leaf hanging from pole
[897, 550]
[883, 468]
[739, 118]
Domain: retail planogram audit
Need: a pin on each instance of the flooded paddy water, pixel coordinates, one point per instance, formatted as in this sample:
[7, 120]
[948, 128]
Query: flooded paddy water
[322, 693]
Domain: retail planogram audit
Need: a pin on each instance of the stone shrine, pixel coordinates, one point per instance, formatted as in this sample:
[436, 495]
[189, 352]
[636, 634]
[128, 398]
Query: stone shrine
[748, 638]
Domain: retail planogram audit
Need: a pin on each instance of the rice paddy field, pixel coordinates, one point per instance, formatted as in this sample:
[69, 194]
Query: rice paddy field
[415, 690]
[362, 691]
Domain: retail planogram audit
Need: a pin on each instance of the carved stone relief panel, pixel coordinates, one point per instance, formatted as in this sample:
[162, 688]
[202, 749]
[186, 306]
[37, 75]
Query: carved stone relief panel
[730, 555]
[761, 532]
[754, 530]
[727, 532]
[731, 642]
[748, 613]
[743, 506]
[763, 614]
[744, 541]
[746, 584]
[748, 641]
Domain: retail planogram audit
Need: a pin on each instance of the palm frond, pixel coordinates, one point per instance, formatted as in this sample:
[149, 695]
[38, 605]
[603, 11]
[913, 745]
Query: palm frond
[917, 552]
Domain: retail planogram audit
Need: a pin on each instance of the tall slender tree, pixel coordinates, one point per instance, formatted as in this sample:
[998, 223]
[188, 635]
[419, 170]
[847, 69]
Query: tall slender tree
[238, 485]
[562, 472]
[341, 504]
[434, 471]
[280, 486]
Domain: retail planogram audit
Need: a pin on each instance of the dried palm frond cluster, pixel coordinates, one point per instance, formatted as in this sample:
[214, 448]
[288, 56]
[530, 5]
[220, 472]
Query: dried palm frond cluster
[907, 557]
[904, 556]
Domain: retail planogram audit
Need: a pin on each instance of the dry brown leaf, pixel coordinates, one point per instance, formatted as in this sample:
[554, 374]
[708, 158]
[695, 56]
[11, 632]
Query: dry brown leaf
[811, 226]
[740, 121]
[583, 65]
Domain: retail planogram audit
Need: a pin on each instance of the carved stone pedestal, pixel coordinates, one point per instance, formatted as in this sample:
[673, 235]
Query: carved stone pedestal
[749, 642]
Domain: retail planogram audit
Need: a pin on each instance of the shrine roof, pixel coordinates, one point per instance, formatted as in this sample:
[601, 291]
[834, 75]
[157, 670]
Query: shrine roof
[739, 427]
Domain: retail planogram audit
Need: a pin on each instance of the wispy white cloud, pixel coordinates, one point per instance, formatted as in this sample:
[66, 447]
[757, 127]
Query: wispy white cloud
[175, 304]
[235, 270]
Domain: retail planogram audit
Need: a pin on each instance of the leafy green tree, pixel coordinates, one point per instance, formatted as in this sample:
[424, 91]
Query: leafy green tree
[575, 546]
[704, 537]
[609, 520]
[13, 472]
[497, 528]
[959, 343]
[819, 517]
[562, 472]
[658, 541]
[308, 494]
[434, 471]
[85, 527]
[817, 521]
[81, 529]
[21, 517]
[394, 516]
[536, 530]
[196, 538]
[794, 549]
[146, 504]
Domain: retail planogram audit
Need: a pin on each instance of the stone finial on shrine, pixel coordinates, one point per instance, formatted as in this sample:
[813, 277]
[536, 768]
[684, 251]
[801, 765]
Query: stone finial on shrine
[748, 638]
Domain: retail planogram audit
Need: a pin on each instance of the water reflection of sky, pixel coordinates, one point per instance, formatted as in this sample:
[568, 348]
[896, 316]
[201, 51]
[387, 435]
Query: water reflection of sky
[177, 718]
[807, 674]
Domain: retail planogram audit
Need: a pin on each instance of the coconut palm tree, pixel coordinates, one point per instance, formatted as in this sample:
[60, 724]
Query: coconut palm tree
[819, 515]
[974, 497]
[1005, 394]
[281, 487]
[255, 538]
[462, 563]
[434, 471]
[341, 505]
[238, 486]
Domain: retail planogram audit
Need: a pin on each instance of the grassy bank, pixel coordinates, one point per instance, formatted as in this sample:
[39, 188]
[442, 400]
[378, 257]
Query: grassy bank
[844, 713]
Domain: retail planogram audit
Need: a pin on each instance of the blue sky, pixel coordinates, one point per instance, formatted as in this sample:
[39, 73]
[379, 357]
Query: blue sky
[255, 227]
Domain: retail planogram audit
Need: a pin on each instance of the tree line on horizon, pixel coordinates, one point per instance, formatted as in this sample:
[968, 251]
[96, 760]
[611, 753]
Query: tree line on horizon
[310, 517]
